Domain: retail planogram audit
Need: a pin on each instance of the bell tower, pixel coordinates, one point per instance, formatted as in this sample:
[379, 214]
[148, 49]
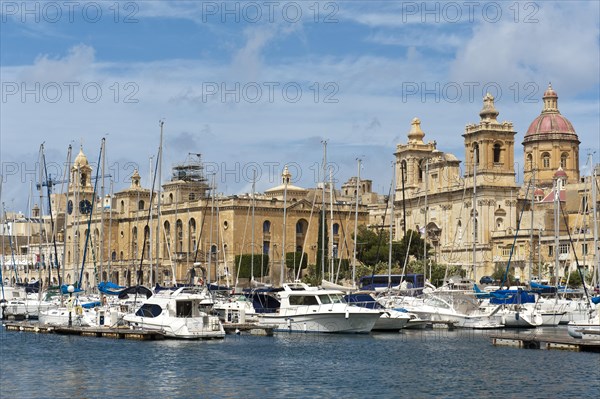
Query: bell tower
[489, 148]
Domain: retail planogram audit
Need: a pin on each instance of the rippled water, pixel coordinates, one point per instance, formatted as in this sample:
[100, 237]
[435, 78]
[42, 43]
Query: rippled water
[416, 364]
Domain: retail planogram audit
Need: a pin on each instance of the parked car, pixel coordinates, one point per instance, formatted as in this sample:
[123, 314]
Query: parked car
[486, 280]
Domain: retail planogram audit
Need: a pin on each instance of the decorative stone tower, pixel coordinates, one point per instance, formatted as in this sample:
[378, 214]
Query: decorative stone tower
[410, 159]
[489, 145]
[549, 144]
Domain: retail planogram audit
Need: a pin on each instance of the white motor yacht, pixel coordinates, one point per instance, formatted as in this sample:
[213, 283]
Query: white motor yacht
[298, 307]
[177, 314]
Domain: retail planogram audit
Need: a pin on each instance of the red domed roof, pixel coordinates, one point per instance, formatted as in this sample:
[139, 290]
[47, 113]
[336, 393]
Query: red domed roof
[550, 120]
[560, 173]
[538, 192]
[550, 123]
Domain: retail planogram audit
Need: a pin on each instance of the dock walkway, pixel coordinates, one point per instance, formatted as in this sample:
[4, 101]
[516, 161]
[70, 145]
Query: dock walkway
[546, 340]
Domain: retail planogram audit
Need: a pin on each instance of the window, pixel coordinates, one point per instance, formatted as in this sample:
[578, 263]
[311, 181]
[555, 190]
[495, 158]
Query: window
[546, 160]
[336, 228]
[476, 154]
[192, 196]
[506, 251]
[584, 249]
[563, 249]
[584, 204]
[497, 151]
[266, 247]
[563, 160]
[167, 242]
[141, 205]
[529, 161]
[179, 236]
[266, 226]
[149, 310]
[192, 235]
[183, 309]
[550, 250]
[113, 256]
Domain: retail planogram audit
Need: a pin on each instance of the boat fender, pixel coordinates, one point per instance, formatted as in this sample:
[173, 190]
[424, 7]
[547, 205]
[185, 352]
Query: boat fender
[347, 314]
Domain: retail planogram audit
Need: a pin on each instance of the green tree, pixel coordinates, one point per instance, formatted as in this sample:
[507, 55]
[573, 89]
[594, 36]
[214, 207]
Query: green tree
[245, 266]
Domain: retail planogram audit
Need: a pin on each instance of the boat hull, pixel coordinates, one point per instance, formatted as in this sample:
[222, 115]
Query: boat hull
[330, 322]
[204, 327]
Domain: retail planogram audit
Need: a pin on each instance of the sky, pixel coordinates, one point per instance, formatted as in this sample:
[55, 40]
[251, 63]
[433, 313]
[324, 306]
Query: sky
[255, 86]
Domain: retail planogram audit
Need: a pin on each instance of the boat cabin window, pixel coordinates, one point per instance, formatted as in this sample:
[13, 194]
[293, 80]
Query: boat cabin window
[303, 300]
[324, 299]
[149, 310]
[184, 309]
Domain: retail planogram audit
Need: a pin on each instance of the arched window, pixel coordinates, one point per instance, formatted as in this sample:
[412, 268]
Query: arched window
[266, 226]
[147, 242]
[499, 224]
[134, 245]
[563, 160]
[403, 170]
[546, 160]
[192, 235]
[178, 236]
[420, 172]
[336, 228]
[113, 256]
[141, 205]
[476, 154]
[121, 256]
[122, 206]
[497, 150]
[475, 229]
[170, 198]
[167, 243]
[529, 161]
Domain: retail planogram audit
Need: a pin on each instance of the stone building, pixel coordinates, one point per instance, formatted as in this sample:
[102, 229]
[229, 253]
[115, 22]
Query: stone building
[198, 233]
[477, 216]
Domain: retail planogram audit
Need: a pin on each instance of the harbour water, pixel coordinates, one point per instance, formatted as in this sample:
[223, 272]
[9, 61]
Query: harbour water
[415, 364]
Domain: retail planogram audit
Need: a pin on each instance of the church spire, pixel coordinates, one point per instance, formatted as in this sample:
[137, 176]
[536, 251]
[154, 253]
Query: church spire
[416, 134]
[489, 112]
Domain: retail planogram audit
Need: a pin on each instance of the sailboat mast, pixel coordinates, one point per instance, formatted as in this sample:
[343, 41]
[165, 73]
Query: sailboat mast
[426, 219]
[150, 231]
[285, 184]
[67, 176]
[532, 184]
[355, 227]
[556, 230]
[41, 177]
[103, 198]
[595, 210]
[324, 142]
[391, 199]
[158, 200]
[110, 214]
[331, 223]
[475, 161]
[252, 239]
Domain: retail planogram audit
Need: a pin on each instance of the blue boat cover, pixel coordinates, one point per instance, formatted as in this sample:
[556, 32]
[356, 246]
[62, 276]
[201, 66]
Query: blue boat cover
[506, 297]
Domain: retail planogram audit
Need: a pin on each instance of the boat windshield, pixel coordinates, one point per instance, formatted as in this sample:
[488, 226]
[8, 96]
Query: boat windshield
[149, 310]
[331, 298]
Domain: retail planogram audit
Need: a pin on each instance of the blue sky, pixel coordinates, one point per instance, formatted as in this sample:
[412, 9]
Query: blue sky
[364, 70]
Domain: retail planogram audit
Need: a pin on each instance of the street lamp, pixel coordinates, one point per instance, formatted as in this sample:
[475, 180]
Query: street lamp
[70, 290]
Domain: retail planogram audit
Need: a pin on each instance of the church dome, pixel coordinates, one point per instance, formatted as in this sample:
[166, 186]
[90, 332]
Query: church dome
[550, 120]
[560, 174]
